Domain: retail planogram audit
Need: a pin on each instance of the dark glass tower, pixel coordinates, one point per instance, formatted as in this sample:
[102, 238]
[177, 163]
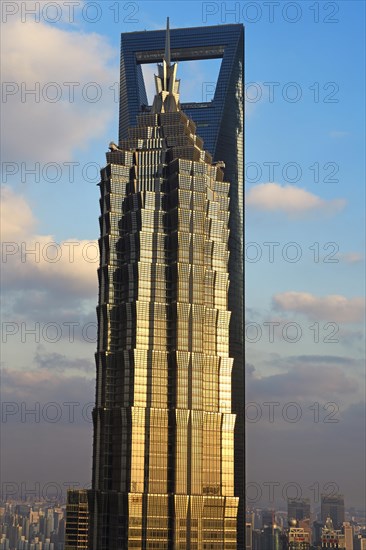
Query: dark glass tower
[332, 507]
[77, 520]
[298, 509]
[168, 460]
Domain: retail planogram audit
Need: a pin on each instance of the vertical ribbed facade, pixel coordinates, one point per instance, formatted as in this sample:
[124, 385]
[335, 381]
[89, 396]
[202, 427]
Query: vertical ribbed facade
[220, 123]
[164, 431]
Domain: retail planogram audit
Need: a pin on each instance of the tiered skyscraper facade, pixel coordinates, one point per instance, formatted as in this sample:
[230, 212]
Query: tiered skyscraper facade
[168, 460]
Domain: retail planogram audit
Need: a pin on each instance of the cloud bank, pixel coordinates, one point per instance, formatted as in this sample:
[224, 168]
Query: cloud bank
[290, 200]
[33, 261]
[330, 308]
[66, 70]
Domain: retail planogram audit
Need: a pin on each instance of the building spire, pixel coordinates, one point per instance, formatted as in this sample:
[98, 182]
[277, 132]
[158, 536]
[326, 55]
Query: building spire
[167, 86]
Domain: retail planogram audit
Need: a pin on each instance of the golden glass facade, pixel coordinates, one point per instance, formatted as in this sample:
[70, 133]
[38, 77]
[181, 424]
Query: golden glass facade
[163, 468]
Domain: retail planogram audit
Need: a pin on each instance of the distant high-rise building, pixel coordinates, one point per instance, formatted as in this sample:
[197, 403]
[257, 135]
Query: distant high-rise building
[36, 544]
[256, 539]
[359, 542]
[248, 536]
[271, 538]
[168, 458]
[298, 539]
[22, 510]
[268, 518]
[331, 537]
[250, 517]
[307, 526]
[14, 534]
[77, 520]
[317, 532]
[298, 509]
[348, 535]
[295, 537]
[22, 543]
[57, 516]
[266, 539]
[61, 530]
[333, 507]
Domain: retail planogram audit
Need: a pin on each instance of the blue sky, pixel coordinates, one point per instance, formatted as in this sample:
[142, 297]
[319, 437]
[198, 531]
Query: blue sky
[316, 195]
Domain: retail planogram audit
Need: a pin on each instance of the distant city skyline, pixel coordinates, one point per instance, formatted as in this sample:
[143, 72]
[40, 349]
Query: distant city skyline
[22, 524]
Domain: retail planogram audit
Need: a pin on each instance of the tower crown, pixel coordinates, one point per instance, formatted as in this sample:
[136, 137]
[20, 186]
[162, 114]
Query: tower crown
[167, 86]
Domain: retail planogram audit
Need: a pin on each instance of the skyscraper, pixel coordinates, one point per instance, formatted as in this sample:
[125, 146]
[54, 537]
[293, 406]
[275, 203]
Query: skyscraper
[77, 520]
[220, 123]
[268, 518]
[348, 535]
[298, 509]
[248, 536]
[271, 538]
[333, 507]
[297, 539]
[331, 537]
[168, 458]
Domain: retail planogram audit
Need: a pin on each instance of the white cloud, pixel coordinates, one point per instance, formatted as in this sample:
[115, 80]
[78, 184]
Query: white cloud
[332, 308]
[289, 199]
[35, 55]
[69, 267]
[17, 217]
